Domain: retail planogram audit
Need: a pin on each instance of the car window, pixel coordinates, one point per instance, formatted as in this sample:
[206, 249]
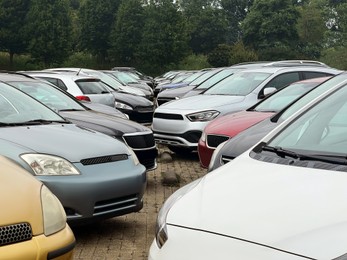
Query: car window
[17, 107]
[48, 95]
[321, 129]
[284, 96]
[312, 74]
[311, 95]
[203, 77]
[91, 86]
[283, 80]
[216, 78]
[238, 84]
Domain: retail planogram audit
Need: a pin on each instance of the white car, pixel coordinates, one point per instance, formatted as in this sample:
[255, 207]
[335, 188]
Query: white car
[179, 124]
[285, 198]
[82, 87]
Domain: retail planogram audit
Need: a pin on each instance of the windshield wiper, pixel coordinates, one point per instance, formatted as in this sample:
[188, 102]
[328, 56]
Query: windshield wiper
[70, 109]
[335, 159]
[42, 122]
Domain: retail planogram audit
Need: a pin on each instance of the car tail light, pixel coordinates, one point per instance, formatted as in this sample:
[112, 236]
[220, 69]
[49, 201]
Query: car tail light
[83, 98]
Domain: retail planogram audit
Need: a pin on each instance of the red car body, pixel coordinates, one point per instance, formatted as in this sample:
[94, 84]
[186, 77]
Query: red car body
[225, 127]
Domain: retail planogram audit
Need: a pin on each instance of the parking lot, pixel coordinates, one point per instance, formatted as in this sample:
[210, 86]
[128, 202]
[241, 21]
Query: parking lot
[130, 236]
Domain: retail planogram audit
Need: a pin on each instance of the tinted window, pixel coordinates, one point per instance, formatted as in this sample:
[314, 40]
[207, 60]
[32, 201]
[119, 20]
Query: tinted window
[91, 86]
[283, 80]
[311, 74]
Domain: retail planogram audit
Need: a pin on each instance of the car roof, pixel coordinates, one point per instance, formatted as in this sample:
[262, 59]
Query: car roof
[271, 69]
[60, 75]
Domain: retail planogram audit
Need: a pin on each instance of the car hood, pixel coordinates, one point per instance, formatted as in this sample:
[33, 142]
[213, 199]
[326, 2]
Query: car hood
[175, 85]
[65, 140]
[290, 208]
[201, 102]
[234, 123]
[103, 123]
[132, 100]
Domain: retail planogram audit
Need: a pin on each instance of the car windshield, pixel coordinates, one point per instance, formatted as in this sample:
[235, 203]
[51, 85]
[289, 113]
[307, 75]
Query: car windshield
[216, 78]
[203, 77]
[320, 130]
[91, 86]
[17, 107]
[109, 80]
[48, 95]
[238, 84]
[311, 95]
[284, 96]
[124, 77]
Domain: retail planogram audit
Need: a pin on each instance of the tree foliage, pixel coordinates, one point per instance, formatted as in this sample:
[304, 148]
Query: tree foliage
[271, 24]
[126, 35]
[49, 31]
[12, 32]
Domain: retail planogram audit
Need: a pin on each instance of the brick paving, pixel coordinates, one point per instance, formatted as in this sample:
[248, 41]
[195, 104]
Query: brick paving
[130, 236]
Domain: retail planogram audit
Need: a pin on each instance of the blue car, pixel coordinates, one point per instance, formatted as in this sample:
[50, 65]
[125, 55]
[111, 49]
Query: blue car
[94, 175]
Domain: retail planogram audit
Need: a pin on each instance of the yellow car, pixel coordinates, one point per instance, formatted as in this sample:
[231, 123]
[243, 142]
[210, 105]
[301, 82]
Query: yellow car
[32, 220]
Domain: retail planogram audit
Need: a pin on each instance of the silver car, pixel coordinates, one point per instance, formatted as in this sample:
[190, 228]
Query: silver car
[94, 175]
[81, 87]
[179, 124]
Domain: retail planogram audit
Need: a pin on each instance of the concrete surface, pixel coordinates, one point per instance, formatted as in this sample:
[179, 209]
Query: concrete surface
[130, 236]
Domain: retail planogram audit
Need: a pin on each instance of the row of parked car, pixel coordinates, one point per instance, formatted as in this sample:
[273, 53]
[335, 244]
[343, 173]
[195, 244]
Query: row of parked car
[273, 136]
[68, 161]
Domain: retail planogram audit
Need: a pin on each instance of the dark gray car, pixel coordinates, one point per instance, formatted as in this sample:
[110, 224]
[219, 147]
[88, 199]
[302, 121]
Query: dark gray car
[94, 175]
[140, 138]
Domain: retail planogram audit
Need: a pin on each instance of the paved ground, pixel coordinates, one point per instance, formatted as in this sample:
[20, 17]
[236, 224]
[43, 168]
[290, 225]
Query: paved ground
[130, 236]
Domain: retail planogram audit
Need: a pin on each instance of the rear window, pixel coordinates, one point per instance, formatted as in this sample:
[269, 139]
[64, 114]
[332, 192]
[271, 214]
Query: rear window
[92, 86]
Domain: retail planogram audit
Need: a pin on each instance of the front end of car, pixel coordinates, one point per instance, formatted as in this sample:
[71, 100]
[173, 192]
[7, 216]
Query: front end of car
[33, 222]
[180, 128]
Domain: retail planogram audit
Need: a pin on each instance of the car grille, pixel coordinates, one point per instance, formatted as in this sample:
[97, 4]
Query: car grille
[15, 233]
[117, 204]
[161, 101]
[168, 116]
[139, 141]
[144, 109]
[104, 159]
[214, 140]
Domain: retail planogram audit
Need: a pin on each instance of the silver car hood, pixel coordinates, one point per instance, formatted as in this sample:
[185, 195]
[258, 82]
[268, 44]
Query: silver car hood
[290, 208]
[65, 140]
[201, 102]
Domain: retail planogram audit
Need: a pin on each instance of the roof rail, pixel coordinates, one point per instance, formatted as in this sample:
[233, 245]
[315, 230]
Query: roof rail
[287, 63]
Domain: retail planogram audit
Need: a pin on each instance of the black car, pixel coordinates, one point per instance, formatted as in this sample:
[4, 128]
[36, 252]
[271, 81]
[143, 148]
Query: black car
[138, 137]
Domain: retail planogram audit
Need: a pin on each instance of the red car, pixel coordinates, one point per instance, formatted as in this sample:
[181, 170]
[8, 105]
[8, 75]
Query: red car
[225, 127]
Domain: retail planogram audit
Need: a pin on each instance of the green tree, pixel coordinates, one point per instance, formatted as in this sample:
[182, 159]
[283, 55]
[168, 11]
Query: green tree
[311, 29]
[236, 11]
[12, 36]
[127, 33]
[220, 56]
[270, 27]
[164, 38]
[49, 28]
[207, 24]
[97, 20]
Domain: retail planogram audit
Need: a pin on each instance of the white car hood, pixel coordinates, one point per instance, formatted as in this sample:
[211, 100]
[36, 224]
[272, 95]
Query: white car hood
[200, 102]
[290, 208]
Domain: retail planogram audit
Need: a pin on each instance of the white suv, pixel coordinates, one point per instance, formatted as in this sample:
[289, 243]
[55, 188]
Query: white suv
[179, 124]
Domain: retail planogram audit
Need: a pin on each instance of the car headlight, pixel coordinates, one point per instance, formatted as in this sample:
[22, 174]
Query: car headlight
[54, 217]
[161, 233]
[215, 156]
[133, 156]
[43, 164]
[121, 105]
[203, 116]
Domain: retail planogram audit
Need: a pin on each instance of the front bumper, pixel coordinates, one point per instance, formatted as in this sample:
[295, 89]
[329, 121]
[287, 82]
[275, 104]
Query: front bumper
[101, 191]
[57, 246]
[178, 131]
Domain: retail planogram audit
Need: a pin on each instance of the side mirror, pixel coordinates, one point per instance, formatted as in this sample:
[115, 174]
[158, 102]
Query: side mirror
[268, 91]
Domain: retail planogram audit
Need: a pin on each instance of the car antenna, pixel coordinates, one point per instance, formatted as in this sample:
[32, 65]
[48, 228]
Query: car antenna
[78, 72]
